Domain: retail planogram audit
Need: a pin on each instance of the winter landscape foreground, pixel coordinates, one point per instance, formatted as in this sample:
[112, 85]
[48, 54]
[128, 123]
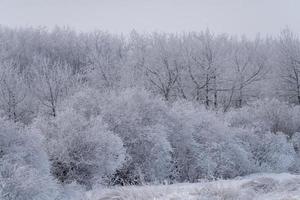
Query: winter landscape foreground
[254, 187]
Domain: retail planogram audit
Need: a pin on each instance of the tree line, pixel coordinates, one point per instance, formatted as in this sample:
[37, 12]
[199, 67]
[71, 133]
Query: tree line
[39, 68]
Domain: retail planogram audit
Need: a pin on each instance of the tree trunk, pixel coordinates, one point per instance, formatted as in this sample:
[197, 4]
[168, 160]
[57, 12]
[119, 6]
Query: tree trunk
[215, 92]
[207, 91]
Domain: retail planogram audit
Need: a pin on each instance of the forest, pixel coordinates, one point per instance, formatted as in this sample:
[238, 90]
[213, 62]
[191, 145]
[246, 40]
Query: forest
[81, 110]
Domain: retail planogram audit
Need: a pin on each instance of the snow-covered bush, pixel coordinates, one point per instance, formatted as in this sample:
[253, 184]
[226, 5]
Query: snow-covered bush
[186, 154]
[295, 113]
[274, 153]
[296, 144]
[86, 102]
[267, 115]
[80, 150]
[265, 126]
[24, 166]
[138, 119]
[218, 155]
[270, 152]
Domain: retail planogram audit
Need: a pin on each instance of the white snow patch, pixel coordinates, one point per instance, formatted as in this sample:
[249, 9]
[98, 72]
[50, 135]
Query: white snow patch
[254, 187]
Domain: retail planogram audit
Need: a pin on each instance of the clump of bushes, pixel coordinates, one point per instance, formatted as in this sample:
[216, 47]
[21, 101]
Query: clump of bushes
[133, 137]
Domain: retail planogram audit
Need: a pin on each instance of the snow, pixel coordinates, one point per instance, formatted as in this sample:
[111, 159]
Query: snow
[254, 187]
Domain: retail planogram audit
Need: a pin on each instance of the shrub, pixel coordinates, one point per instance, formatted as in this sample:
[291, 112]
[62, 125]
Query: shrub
[267, 115]
[270, 152]
[24, 166]
[218, 155]
[137, 117]
[81, 150]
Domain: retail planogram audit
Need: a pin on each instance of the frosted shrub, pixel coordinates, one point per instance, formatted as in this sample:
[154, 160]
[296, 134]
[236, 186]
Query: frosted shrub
[267, 115]
[24, 166]
[275, 115]
[81, 150]
[138, 118]
[272, 153]
[266, 124]
[218, 155]
[86, 102]
[296, 144]
[186, 152]
[295, 118]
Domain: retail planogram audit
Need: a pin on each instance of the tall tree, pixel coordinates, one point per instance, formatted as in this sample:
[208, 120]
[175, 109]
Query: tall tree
[248, 66]
[13, 92]
[163, 65]
[289, 60]
[50, 82]
[205, 57]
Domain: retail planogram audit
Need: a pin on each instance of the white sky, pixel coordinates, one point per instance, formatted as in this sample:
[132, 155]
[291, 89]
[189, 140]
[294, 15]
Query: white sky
[222, 16]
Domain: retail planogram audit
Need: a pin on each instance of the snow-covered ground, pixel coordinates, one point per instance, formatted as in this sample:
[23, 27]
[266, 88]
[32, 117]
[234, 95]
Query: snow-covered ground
[254, 187]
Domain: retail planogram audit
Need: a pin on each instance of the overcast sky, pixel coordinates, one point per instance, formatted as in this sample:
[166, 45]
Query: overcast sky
[222, 16]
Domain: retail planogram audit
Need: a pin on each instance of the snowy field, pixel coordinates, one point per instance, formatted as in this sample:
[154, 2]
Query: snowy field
[254, 187]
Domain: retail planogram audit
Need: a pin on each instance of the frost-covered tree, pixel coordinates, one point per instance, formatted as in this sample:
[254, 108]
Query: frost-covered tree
[163, 65]
[289, 61]
[14, 93]
[50, 81]
[205, 55]
[106, 55]
[248, 65]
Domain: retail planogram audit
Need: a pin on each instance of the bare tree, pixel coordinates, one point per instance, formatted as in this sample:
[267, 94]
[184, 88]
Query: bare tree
[165, 81]
[50, 82]
[13, 92]
[205, 54]
[248, 67]
[106, 54]
[162, 69]
[289, 49]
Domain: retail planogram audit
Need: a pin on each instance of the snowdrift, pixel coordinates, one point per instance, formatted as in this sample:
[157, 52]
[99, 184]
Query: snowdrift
[254, 187]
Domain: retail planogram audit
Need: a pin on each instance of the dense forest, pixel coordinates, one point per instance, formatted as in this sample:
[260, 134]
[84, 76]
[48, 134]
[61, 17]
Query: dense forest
[88, 109]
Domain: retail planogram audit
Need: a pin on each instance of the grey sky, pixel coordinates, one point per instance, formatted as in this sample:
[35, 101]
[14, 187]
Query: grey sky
[222, 16]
